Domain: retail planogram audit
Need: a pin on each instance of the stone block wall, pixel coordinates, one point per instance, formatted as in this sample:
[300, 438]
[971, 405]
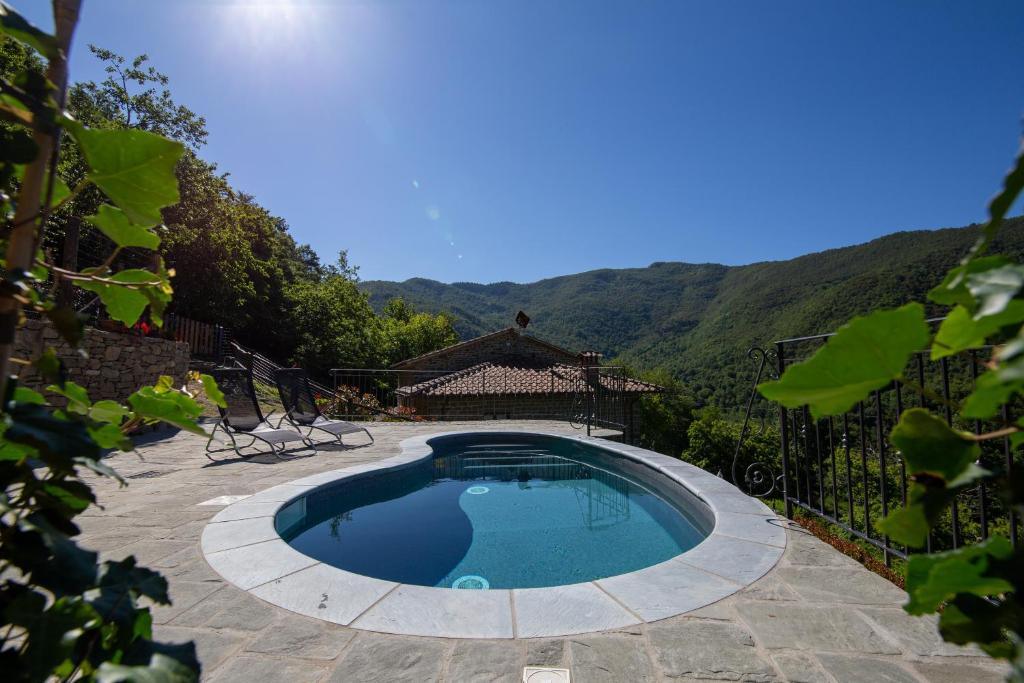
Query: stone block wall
[115, 364]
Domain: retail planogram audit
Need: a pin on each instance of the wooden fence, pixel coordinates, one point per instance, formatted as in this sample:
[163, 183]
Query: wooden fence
[205, 340]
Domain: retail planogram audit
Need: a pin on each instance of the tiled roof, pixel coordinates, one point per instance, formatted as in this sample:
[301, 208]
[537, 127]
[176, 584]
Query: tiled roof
[507, 332]
[496, 379]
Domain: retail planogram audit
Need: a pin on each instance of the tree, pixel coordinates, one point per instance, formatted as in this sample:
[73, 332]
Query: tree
[665, 417]
[409, 334]
[334, 326]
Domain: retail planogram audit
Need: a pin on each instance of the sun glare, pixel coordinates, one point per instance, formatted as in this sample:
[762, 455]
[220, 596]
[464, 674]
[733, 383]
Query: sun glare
[265, 22]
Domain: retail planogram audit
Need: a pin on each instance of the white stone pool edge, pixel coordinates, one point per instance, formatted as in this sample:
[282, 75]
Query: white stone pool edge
[241, 544]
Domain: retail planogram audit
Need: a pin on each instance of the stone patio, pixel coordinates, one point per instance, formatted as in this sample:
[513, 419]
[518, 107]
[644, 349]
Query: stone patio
[818, 616]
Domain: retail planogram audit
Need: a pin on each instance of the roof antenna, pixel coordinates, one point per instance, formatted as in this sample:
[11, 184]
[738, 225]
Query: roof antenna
[522, 320]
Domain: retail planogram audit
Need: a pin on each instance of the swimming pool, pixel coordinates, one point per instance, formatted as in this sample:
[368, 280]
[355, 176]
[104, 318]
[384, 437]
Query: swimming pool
[657, 536]
[499, 511]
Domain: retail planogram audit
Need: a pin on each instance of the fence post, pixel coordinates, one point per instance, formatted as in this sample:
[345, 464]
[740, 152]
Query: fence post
[780, 349]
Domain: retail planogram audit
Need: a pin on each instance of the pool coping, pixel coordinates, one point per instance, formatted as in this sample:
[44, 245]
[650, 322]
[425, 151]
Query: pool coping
[241, 544]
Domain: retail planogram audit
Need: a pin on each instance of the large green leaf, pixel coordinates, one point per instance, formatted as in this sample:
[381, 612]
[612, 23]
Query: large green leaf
[172, 407]
[961, 330]
[929, 446]
[17, 27]
[126, 303]
[115, 224]
[132, 167]
[934, 579]
[864, 355]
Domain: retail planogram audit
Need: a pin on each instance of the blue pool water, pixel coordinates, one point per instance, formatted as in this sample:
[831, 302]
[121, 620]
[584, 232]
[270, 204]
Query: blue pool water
[498, 511]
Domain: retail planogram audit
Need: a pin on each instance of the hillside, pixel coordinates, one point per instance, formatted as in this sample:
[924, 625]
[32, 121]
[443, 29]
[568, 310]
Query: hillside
[698, 320]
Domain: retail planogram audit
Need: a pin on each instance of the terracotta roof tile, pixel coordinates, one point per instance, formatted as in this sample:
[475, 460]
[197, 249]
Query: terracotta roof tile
[496, 379]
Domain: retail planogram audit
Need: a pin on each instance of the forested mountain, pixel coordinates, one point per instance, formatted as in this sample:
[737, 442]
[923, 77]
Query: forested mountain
[698, 320]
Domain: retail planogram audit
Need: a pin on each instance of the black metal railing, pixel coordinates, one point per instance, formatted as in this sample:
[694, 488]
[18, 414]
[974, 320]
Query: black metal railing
[844, 469]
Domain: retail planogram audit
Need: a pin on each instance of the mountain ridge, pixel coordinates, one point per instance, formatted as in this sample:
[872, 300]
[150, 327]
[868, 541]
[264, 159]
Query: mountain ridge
[698, 320]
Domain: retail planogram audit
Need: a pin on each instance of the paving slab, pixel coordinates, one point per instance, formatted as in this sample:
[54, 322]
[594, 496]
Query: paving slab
[250, 669]
[485, 662]
[709, 650]
[567, 610]
[667, 589]
[799, 667]
[731, 558]
[848, 669]
[212, 647]
[373, 657]
[981, 671]
[545, 653]
[258, 563]
[832, 628]
[297, 636]
[611, 659]
[915, 635]
[418, 610]
[325, 592]
[840, 585]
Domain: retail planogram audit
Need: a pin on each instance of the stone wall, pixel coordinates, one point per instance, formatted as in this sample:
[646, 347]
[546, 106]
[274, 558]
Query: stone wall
[115, 365]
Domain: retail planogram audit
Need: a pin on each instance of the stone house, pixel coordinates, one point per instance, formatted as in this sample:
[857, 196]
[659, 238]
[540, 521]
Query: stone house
[512, 375]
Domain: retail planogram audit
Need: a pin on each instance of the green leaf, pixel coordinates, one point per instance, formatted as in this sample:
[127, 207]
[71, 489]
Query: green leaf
[953, 289]
[970, 619]
[114, 223]
[1013, 184]
[160, 669]
[961, 330]
[110, 436]
[126, 303]
[990, 393]
[933, 579]
[72, 493]
[929, 446]
[172, 407]
[55, 439]
[77, 396]
[212, 391]
[26, 395]
[134, 168]
[108, 411]
[119, 585]
[17, 27]
[994, 289]
[864, 355]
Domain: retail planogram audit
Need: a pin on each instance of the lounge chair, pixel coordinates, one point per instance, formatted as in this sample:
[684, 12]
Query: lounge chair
[302, 411]
[243, 417]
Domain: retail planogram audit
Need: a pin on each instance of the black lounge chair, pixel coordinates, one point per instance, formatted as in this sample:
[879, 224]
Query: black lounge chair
[243, 417]
[302, 411]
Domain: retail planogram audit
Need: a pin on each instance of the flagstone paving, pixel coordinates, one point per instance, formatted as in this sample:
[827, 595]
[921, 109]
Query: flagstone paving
[817, 616]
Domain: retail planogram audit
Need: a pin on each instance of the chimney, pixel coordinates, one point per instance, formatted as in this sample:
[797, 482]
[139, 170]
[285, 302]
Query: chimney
[590, 361]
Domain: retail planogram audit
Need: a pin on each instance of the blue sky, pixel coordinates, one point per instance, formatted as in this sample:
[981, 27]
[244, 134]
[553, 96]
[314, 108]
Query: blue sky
[493, 140]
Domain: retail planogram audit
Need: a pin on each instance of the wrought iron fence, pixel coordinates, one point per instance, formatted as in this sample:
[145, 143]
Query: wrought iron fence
[844, 469]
